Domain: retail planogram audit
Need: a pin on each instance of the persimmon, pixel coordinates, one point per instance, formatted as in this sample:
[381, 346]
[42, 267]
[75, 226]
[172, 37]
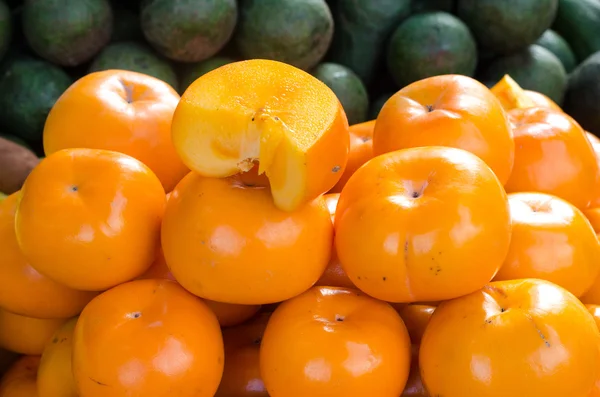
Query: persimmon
[119, 110]
[414, 385]
[361, 151]
[20, 379]
[282, 117]
[154, 338]
[511, 95]
[226, 241]
[334, 275]
[551, 240]
[448, 110]
[553, 156]
[595, 312]
[55, 375]
[422, 224]
[26, 335]
[528, 338]
[595, 141]
[541, 100]
[89, 218]
[416, 317]
[23, 290]
[241, 375]
[228, 314]
[332, 341]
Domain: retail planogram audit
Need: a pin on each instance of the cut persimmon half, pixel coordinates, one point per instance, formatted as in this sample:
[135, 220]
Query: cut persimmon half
[265, 112]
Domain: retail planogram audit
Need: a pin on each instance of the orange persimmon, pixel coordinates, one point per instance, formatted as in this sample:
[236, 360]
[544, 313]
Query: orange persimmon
[595, 141]
[226, 241]
[334, 275]
[361, 151]
[55, 375]
[278, 115]
[551, 240]
[541, 100]
[228, 314]
[595, 312]
[241, 375]
[89, 218]
[524, 337]
[414, 385]
[552, 156]
[422, 224]
[23, 290]
[119, 110]
[26, 335]
[416, 317]
[334, 342]
[448, 110]
[155, 338]
[20, 379]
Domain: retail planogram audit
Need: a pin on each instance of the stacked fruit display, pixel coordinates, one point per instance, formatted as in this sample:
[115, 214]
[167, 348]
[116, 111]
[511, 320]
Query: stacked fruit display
[253, 243]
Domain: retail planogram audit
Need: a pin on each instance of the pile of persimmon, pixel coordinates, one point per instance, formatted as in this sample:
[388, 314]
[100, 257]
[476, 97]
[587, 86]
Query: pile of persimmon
[244, 240]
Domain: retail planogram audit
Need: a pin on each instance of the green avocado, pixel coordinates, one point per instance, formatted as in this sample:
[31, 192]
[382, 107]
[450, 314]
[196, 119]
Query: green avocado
[67, 32]
[28, 90]
[137, 57]
[431, 44]
[188, 30]
[348, 87]
[507, 26]
[297, 32]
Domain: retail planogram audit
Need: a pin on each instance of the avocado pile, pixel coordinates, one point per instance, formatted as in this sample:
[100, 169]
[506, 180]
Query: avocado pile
[363, 50]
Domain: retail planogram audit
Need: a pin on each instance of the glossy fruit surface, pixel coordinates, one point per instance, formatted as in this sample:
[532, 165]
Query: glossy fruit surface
[422, 224]
[521, 338]
[119, 110]
[226, 241]
[551, 240]
[553, 156]
[90, 219]
[23, 290]
[154, 338]
[334, 342]
[450, 110]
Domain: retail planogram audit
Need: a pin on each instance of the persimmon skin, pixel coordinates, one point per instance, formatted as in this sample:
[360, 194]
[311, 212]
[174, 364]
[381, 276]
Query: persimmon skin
[228, 314]
[551, 240]
[23, 290]
[521, 338]
[26, 335]
[155, 339]
[422, 224]
[241, 375]
[227, 242]
[110, 235]
[361, 151]
[19, 380]
[119, 110]
[334, 274]
[55, 375]
[448, 110]
[325, 342]
[541, 100]
[553, 156]
[416, 317]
